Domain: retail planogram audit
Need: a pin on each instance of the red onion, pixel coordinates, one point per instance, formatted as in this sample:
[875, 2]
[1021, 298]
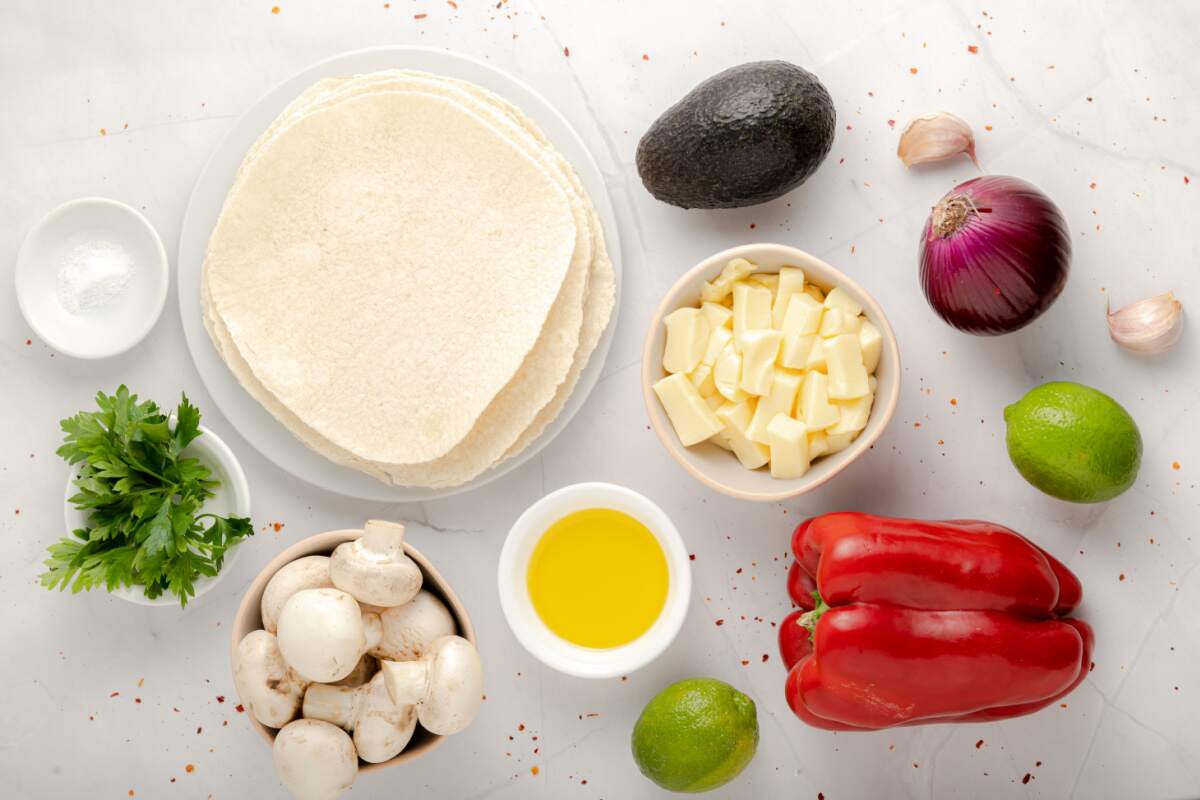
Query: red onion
[994, 255]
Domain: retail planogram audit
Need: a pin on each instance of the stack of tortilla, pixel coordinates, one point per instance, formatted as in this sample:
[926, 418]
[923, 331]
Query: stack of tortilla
[408, 276]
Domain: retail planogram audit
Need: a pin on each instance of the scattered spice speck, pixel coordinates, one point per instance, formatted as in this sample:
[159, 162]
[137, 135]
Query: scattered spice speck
[534, 771]
[645, 56]
[913, 70]
[220, 698]
[105, 133]
[239, 708]
[1121, 577]
[1174, 465]
[720, 622]
[274, 10]
[987, 127]
[189, 768]
[979, 744]
[567, 52]
[972, 49]
[422, 15]
[745, 662]
[1027, 778]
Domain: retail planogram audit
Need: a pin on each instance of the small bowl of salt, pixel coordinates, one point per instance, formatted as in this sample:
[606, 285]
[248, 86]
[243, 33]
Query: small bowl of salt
[92, 278]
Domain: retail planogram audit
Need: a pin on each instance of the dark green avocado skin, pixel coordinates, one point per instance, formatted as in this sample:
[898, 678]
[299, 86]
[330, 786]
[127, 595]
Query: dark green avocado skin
[744, 136]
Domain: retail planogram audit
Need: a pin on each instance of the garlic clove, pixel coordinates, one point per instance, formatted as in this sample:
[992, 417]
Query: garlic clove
[935, 137]
[1152, 325]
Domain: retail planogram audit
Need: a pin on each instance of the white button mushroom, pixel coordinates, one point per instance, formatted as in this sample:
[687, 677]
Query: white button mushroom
[315, 760]
[381, 728]
[366, 668]
[446, 684]
[310, 572]
[410, 629]
[374, 568]
[323, 634]
[270, 690]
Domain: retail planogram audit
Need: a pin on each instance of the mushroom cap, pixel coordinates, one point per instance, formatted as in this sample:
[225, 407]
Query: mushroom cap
[382, 728]
[366, 668]
[410, 629]
[321, 634]
[309, 572]
[315, 760]
[271, 692]
[446, 684]
[374, 567]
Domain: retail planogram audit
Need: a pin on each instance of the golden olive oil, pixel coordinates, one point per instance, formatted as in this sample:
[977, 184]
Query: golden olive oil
[598, 578]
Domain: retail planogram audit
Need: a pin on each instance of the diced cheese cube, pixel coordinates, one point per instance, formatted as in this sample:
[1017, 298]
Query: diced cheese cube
[718, 316]
[839, 442]
[702, 378]
[691, 417]
[793, 354]
[814, 406]
[768, 279]
[736, 417]
[687, 338]
[717, 290]
[717, 341]
[720, 438]
[751, 308]
[854, 415]
[814, 291]
[803, 315]
[871, 342]
[780, 400]
[835, 322]
[873, 383]
[791, 283]
[715, 401]
[839, 298]
[727, 374]
[759, 351]
[816, 356]
[847, 375]
[818, 444]
[789, 447]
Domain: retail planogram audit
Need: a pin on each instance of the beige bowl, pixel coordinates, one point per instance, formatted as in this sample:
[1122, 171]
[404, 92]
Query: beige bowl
[249, 618]
[718, 468]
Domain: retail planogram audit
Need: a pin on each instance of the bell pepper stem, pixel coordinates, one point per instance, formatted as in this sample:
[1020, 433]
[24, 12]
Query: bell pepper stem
[809, 619]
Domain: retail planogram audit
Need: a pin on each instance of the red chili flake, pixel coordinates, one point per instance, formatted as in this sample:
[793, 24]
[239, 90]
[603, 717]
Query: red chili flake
[452, 4]
[913, 70]
[1026, 778]
[520, 726]
[28, 342]
[645, 56]
[199, 729]
[1121, 577]
[972, 49]
[189, 768]
[583, 782]
[745, 662]
[220, 698]
[1174, 465]
[137, 700]
[916, 424]
[18, 511]
[891, 123]
[132, 793]
[979, 744]
[1037, 764]
[1186, 180]
[624, 678]
[1092, 185]
[172, 780]
[765, 657]
[239, 708]
[691, 556]
[534, 771]
[420, 16]
[277, 526]
[753, 225]
[115, 694]
[274, 9]
[738, 571]
[720, 622]
[820, 796]
[567, 52]
[987, 127]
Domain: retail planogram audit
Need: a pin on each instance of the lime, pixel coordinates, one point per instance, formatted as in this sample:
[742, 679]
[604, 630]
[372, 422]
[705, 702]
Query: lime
[695, 735]
[1073, 442]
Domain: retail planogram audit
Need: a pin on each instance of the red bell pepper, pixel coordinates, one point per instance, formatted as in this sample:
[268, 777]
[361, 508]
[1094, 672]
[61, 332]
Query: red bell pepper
[906, 622]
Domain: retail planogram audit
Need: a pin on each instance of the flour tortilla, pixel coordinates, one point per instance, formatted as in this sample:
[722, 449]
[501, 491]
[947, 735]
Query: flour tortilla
[372, 395]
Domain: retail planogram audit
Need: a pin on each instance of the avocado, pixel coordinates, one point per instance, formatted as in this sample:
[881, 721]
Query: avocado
[744, 136]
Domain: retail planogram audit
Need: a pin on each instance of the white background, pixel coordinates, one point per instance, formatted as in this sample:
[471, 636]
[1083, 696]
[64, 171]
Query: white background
[1092, 101]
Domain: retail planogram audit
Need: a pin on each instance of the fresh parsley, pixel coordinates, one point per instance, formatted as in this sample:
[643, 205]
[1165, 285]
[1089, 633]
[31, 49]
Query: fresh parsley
[143, 500]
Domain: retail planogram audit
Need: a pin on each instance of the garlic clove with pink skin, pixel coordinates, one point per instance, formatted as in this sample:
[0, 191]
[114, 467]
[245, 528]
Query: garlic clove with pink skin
[1150, 326]
[935, 137]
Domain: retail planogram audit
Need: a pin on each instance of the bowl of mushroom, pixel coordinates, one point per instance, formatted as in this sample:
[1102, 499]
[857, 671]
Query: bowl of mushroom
[350, 647]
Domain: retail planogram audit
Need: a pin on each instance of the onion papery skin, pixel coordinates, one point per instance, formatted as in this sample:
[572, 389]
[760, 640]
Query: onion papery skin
[994, 255]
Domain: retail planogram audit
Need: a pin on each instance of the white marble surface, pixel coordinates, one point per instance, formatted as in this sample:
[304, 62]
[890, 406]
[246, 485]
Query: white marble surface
[1093, 101]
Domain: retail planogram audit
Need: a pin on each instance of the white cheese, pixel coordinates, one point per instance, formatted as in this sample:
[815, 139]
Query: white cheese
[847, 375]
[717, 290]
[727, 374]
[789, 447]
[759, 351]
[717, 340]
[793, 354]
[839, 298]
[751, 308]
[839, 442]
[768, 279]
[816, 356]
[718, 316]
[814, 406]
[736, 418]
[780, 400]
[791, 283]
[814, 291]
[871, 342]
[687, 338]
[818, 444]
[702, 378]
[691, 417]
[853, 415]
[835, 322]
[803, 315]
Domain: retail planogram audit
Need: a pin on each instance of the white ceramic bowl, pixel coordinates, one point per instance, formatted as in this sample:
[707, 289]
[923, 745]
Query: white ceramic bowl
[127, 318]
[522, 617]
[719, 469]
[231, 498]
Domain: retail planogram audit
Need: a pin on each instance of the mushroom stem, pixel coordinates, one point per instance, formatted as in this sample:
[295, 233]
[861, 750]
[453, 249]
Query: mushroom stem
[383, 538]
[407, 681]
[446, 684]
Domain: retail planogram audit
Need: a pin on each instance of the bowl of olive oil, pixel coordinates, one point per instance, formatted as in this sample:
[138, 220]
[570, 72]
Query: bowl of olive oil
[594, 580]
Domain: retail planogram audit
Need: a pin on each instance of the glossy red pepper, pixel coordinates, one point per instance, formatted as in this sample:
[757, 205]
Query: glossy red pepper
[906, 622]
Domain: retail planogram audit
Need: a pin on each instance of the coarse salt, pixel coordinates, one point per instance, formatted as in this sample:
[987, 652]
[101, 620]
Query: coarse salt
[92, 275]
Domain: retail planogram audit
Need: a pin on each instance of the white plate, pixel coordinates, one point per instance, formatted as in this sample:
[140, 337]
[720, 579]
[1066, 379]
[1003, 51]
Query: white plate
[254, 422]
[124, 320]
[231, 498]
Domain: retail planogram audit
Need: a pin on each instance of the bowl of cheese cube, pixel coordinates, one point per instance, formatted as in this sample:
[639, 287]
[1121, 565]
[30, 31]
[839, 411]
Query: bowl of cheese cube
[766, 372]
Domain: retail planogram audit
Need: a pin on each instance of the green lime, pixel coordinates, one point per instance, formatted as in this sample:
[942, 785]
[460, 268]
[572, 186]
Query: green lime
[1073, 442]
[695, 735]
